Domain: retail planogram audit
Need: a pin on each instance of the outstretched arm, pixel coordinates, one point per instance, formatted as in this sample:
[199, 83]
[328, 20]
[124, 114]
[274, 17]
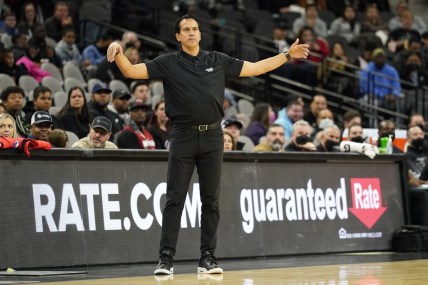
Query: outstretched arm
[271, 63]
[134, 71]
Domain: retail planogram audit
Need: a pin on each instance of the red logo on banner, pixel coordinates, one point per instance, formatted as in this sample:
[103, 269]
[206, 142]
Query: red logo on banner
[367, 200]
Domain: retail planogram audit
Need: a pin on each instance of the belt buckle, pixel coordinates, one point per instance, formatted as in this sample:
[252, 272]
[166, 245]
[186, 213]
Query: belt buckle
[203, 128]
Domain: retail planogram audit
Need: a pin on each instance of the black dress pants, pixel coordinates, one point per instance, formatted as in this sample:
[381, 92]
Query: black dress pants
[190, 148]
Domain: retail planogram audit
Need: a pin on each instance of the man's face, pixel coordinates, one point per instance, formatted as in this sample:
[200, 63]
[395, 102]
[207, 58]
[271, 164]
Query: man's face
[301, 131]
[379, 61]
[355, 131]
[121, 104]
[98, 137]
[415, 133]
[41, 131]
[324, 114]
[295, 112]
[61, 12]
[138, 115]
[275, 137]
[43, 102]
[14, 102]
[8, 59]
[386, 128]
[102, 98]
[318, 103]
[234, 131]
[189, 35]
[142, 92]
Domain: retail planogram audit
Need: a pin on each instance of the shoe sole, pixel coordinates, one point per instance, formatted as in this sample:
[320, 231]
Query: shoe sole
[164, 271]
[211, 271]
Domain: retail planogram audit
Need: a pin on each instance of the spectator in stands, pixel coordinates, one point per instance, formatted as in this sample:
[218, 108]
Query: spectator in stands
[417, 119]
[324, 119]
[120, 104]
[414, 47]
[67, 50]
[311, 20]
[32, 63]
[160, 126]
[8, 25]
[10, 67]
[233, 127]
[418, 23]
[329, 139]
[414, 72]
[347, 25]
[425, 44]
[7, 126]
[13, 99]
[289, 115]
[60, 19]
[130, 39]
[74, 115]
[99, 134]
[278, 6]
[417, 150]
[366, 54]
[384, 85]
[229, 104]
[135, 135]
[40, 126]
[356, 134]
[45, 53]
[280, 36]
[318, 103]
[89, 30]
[96, 53]
[338, 62]
[42, 101]
[98, 107]
[381, 5]
[19, 45]
[27, 18]
[300, 137]
[337, 7]
[229, 142]
[400, 37]
[350, 118]
[274, 140]
[386, 129]
[373, 24]
[58, 138]
[141, 90]
[261, 118]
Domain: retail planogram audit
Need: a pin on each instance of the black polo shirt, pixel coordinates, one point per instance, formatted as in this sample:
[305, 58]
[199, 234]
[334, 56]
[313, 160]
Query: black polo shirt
[194, 85]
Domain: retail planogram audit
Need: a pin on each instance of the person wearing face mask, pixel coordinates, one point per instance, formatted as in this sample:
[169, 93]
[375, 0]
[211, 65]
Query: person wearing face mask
[386, 129]
[417, 150]
[329, 139]
[300, 137]
[355, 134]
[274, 140]
[323, 120]
[417, 119]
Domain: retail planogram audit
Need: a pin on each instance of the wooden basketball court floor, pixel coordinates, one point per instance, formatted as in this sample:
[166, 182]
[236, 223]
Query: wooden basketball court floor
[375, 268]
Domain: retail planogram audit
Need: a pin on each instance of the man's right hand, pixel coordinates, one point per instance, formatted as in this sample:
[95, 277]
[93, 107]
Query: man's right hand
[113, 49]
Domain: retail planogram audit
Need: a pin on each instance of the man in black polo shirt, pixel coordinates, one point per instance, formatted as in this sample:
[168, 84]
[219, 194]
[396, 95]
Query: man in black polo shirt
[194, 82]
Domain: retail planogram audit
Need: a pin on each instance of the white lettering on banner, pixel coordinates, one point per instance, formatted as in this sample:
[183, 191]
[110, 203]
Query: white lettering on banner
[46, 211]
[300, 204]
[70, 213]
[69, 218]
[142, 223]
[366, 198]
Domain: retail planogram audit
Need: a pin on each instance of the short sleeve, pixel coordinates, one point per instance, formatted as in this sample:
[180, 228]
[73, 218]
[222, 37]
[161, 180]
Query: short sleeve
[232, 67]
[158, 67]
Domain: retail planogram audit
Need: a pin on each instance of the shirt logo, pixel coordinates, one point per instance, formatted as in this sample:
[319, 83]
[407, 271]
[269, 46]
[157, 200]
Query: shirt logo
[209, 69]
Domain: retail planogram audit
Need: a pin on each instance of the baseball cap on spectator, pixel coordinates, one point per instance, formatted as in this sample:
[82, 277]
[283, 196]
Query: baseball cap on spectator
[121, 94]
[281, 25]
[101, 87]
[102, 122]
[378, 51]
[138, 103]
[41, 117]
[229, 122]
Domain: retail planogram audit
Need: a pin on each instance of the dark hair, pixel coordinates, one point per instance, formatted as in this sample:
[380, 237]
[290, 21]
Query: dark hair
[187, 16]
[68, 109]
[261, 114]
[39, 90]
[11, 89]
[154, 119]
[58, 138]
[233, 140]
[137, 83]
[349, 115]
[68, 28]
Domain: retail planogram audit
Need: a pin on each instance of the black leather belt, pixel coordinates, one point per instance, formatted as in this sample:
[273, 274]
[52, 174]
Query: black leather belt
[201, 128]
